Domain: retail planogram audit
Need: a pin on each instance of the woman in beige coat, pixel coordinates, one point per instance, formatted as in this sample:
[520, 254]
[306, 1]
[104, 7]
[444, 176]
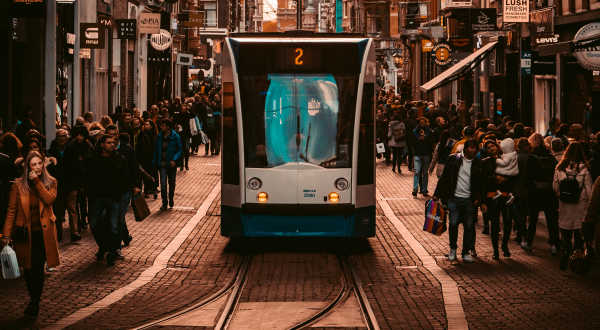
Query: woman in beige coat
[30, 205]
[572, 165]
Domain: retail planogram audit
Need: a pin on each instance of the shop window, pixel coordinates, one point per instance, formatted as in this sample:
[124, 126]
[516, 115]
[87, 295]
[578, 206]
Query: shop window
[210, 16]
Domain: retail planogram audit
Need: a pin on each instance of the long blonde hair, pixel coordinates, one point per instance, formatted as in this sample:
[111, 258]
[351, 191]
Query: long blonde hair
[45, 178]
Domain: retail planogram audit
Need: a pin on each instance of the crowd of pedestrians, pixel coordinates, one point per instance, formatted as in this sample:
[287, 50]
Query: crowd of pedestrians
[92, 172]
[503, 169]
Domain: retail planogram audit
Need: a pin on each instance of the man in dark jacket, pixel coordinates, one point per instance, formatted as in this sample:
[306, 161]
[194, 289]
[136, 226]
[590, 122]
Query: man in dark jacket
[183, 120]
[166, 157]
[410, 123]
[460, 187]
[140, 142]
[68, 173]
[84, 148]
[422, 141]
[521, 192]
[133, 167]
[107, 179]
[539, 174]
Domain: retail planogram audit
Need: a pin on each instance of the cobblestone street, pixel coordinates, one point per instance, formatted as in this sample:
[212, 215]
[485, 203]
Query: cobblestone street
[178, 258]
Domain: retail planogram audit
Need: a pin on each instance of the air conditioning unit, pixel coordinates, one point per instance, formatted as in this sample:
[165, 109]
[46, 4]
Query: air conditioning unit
[456, 4]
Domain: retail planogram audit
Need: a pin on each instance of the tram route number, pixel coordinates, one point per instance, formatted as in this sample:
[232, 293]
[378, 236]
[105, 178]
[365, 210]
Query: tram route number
[300, 52]
[309, 193]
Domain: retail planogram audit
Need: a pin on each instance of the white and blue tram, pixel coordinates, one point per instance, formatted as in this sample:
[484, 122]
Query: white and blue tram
[298, 136]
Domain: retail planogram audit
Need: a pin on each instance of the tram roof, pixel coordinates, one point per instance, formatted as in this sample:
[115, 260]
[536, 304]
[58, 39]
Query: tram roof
[297, 34]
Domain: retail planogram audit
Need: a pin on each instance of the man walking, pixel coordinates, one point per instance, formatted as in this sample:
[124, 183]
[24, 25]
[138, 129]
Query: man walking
[422, 141]
[167, 155]
[459, 186]
[67, 172]
[107, 179]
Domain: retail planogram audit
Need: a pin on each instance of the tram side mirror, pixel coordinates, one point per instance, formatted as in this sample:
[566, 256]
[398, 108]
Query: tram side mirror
[343, 156]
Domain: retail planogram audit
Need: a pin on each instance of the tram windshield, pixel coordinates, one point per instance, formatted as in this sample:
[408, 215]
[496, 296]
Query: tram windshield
[298, 118]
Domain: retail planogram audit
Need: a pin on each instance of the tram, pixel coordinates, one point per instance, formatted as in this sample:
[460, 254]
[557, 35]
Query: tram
[298, 136]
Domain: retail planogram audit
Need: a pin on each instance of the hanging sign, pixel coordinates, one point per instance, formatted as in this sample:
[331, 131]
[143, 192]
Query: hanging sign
[183, 17]
[462, 44]
[92, 35]
[483, 19]
[426, 45]
[195, 20]
[149, 23]
[85, 53]
[440, 54]
[162, 40]
[184, 59]
[159, 59]
[126, 29]
[106, 20]
[27, 8]
[525, 63]
[543, 65]
[516, 11]
[588, 58]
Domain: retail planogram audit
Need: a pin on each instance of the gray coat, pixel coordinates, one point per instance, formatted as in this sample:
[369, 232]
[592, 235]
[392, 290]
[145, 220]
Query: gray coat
[396, 126]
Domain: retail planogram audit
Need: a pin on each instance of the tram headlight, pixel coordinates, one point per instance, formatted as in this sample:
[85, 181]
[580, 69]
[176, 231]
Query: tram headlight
[262, 197]
[254, 183]
[334, 197]
[341, 184]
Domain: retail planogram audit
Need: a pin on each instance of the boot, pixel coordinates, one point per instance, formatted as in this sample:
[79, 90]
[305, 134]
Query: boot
[171, 196]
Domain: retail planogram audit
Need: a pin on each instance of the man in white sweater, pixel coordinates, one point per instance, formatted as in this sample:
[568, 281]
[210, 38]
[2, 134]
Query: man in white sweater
[459, 188]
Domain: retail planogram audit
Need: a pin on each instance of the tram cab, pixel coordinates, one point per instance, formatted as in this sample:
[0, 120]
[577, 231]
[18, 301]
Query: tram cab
[298, 136]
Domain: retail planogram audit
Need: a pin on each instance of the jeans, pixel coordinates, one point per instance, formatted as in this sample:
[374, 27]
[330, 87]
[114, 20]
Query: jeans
[105, 229]
[167, 174]
[123, 207]
[186, 151]
[495, 208]
[34, 277]
[65, 200]
[461, 210]
[421, 167]
[396, 154]
[543, 200]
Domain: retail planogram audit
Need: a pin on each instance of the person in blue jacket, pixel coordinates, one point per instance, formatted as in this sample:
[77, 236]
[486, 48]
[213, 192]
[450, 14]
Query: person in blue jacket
[422, 141]
[167, 157]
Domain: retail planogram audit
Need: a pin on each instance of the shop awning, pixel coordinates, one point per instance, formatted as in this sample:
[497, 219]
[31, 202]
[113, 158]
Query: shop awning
[591, 43]
[459, 69]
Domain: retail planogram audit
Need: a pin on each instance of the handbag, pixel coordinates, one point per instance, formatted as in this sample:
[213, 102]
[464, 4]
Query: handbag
[140, 208]
[580, 261]
[10, 265]
[20, 234]
[435, 218]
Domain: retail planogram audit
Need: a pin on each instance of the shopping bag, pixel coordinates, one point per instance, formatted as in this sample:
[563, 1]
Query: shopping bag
[435, 218]
[140, 208]
[380, 148]
[204, 138]
[10, 266]
[580, 261]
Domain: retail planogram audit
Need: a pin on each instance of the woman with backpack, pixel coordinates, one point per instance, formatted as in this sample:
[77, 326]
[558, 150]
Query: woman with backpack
[441, 153]
[573, 185]
[397, 141]
[539, 175]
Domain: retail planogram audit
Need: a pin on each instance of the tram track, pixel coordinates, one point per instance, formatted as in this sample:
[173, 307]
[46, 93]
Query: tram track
[350, 281]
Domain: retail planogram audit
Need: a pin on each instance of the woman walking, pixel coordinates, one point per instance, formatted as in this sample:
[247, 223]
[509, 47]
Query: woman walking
[573, 185]
[397, 141]
[30, 209]
[441, 153]
[151, 130]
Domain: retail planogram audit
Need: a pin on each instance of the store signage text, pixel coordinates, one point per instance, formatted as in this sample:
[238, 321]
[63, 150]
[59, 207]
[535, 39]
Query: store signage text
[588, 58]
[483, 19]
[161, 41]
[92, 35]
[159, 59]
[516, 11]
[126, 29]
[149, 23]
[195, 20]
[440, 54]
[525, 63]
[28, 8]
[546, 40]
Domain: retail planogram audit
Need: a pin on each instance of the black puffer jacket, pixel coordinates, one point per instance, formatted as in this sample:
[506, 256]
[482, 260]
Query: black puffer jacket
[98, 178]
[67, 171]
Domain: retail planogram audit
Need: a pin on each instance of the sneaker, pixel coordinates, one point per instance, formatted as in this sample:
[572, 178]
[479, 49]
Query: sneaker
[452, 255]
[120, 255]
[414, 193]
[467, 259]
[425, 193]
[553, 250]
[163, 208]
[51, 269]
[526, 247]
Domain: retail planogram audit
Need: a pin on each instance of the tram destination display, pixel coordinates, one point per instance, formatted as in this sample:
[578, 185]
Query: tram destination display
[297, 57]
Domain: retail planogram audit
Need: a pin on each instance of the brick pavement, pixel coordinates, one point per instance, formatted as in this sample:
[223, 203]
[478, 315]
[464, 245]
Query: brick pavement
[523, 291]
[403, 294]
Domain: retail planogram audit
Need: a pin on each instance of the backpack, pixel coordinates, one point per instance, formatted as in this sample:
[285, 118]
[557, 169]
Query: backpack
[399, 135]
[545, 175]
[210, 123]
[569, 190]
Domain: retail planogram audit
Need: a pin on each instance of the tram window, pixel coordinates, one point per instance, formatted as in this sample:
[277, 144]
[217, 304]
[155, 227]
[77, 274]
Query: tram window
[298, 118]
[366, 143]
[231, 158]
